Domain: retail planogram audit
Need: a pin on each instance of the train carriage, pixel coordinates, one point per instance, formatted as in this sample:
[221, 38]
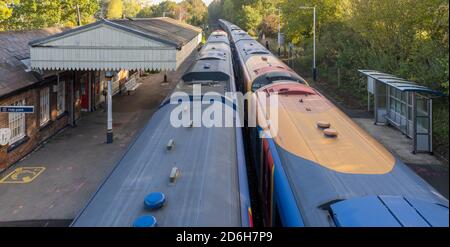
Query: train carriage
[199, 173]
[318, 168]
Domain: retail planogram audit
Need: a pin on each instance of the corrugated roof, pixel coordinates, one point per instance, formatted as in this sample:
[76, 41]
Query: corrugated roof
[167, 28]
[162, 29]
[14, 48]
[398, 83]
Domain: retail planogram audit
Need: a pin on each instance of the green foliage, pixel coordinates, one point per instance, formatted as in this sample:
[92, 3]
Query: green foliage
[196, 12]
[193, 12]
[229, 11]
[69, 11]
[115, 9]
[5, 11]
[269, 25]
[166, 8]
[31, 14]
[249, 14]
[251, 18]
[131, 7]
[407, 38]
[146, 12]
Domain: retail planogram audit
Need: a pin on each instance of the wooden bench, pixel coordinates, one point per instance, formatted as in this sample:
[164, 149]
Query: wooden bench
[131, 85]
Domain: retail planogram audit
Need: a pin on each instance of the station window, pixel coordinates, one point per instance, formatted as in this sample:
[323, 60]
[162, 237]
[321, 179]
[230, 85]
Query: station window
[17, 123]
[44, 116]
[61, 96]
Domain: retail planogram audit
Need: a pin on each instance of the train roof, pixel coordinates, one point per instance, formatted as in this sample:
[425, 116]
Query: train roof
[213, 63]
[208, 190]
[389, 211]
[239, 35]
[205, 194]
[322, 170]
[218, 37]
[261, 65]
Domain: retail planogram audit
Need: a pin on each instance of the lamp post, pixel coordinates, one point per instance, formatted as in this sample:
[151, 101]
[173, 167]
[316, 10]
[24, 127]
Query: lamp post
[279, 29]
[314, 40]
[109, 133]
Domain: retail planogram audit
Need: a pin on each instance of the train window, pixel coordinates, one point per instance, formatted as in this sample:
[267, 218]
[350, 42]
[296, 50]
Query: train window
[204, 82]
[271, 77]
[205, 76]
[256, 51]
[212, 56]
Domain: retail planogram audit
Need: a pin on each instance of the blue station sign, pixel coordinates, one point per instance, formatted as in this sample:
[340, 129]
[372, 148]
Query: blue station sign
[17, 109]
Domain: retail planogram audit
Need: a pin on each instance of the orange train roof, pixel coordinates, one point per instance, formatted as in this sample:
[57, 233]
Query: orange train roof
[300, 108]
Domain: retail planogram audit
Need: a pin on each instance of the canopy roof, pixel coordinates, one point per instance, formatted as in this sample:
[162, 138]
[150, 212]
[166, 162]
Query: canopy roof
[142, 43]
[399, 83]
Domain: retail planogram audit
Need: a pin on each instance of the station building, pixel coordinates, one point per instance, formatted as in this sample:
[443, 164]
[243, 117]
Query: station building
[62, 72]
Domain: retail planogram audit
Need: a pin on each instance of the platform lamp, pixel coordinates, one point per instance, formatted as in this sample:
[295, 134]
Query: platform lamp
[109, 134]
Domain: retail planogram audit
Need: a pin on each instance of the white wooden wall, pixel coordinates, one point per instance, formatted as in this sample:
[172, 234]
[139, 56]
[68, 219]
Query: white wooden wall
[103, 48]
[187, 49]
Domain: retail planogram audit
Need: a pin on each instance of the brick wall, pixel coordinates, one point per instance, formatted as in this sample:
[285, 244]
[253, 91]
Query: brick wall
[35, 134]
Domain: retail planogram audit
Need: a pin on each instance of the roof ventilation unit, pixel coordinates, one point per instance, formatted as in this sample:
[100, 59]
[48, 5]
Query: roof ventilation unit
[145, 221]
[174, 174]
[154, 200]
[170, 144]
[323, 124]
[330, 132]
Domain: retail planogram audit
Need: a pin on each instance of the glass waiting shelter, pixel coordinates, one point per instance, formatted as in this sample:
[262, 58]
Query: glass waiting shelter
[403, 104]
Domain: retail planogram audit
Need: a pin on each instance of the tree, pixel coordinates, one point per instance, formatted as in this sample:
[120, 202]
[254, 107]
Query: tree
[269, 25]
[146, 12]
[166, 8]
[252, 19]
[29, 14]
[69, 11]
[215, 11]
[228, 10]
[248, 14]
[131, 7]
[195, 11]
[5, 11]
[32, 14]
[115, 9]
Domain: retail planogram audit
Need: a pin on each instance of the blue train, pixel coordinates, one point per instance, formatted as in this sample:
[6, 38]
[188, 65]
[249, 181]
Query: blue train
[180, 175]
[319, 168]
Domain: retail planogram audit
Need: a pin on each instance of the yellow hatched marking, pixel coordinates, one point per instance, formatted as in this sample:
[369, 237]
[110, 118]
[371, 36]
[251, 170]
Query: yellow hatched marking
[22, 175]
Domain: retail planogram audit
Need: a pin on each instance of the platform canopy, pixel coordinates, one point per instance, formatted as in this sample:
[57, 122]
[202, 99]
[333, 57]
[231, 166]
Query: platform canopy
[398, 83]
[130, 44]
[404, 105]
